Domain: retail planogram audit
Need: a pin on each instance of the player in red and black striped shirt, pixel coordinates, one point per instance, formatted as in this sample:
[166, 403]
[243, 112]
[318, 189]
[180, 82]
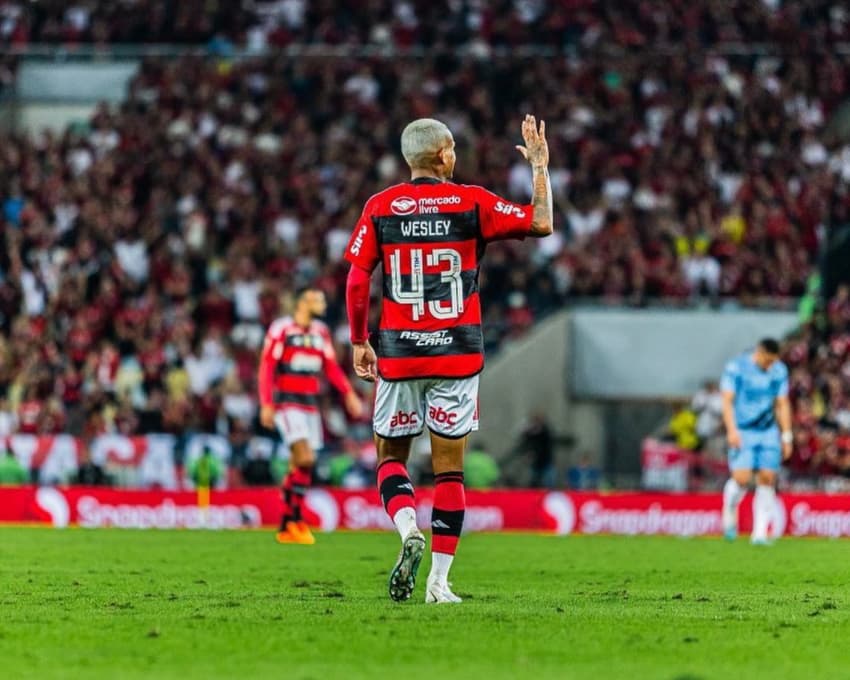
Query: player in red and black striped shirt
[428, 236]
[297, 351]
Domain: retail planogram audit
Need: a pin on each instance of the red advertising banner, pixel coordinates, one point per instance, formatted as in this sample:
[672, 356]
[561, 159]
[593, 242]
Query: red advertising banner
[330, 509]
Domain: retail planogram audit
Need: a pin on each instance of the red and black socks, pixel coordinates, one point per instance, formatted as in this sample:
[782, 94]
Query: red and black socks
[446, 522]
[295, 487]
[448, 512]
[396, 491]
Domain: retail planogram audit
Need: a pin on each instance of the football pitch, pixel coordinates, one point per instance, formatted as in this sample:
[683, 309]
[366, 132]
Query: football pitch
[158, 604]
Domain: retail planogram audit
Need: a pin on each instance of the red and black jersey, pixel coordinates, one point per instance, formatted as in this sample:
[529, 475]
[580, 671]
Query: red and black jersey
[292, 362]
[429, 237]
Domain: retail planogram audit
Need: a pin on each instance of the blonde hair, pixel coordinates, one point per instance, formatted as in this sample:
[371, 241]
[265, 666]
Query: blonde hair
[422, 139]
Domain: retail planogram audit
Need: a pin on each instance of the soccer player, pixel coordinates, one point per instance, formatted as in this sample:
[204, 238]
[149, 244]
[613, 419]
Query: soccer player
[755, 397]
[428, 235]
[297, 350]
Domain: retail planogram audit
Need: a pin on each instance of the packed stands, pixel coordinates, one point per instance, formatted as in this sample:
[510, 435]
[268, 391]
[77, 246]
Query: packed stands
[818, 358]
[259, 24]
[145, 252]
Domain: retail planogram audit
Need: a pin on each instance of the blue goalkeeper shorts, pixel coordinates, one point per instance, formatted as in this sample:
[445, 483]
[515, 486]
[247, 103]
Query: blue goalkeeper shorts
[760, 450]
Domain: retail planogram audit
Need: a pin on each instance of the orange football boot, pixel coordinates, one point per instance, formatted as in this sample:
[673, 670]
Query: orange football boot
[294, 535]
[304, 532]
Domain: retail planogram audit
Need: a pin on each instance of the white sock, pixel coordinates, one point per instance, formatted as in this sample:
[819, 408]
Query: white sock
[440, 565]
[405, 521]
[762, 510]
[732, 495]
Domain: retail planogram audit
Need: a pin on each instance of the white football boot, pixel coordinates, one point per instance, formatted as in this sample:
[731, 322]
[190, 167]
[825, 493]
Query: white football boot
[440, 593]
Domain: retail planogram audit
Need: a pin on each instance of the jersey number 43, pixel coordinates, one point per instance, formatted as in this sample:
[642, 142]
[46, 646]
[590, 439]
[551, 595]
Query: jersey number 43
[419, 294]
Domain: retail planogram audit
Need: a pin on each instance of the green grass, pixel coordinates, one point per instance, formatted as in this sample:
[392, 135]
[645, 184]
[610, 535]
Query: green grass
[131, 604]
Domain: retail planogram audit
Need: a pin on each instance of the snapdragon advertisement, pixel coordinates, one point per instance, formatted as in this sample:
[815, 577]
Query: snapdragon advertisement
[555, 512]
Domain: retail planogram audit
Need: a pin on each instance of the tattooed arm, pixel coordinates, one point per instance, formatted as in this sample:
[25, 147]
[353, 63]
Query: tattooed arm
[536, 152]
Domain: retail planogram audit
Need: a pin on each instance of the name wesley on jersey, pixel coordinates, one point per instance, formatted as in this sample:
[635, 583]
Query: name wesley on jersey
[425, 227]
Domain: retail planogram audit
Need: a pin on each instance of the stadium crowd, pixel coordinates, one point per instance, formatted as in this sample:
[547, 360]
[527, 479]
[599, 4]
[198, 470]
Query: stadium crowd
[258, 24]
[818, 358]
[145, 252]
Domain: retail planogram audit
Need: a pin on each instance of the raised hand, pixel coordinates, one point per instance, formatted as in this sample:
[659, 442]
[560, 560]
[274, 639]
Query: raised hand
[536, 150]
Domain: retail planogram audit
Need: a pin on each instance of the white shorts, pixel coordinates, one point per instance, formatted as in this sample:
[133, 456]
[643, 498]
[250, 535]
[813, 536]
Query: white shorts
[447, 407]
[295, 424]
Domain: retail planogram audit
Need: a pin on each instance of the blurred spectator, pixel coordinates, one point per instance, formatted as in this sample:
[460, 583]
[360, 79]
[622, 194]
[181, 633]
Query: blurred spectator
[682, 428]
[8, 418]
[707, 404]
[702, 272]
[583, 476]
[89, 473]
[256, 471]
[536, 443]
[480, 471]
[8, 72]
[353, 467]
[11, 470]
[339, 467]
[205, 471]
[279, 467]
[808, 304]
